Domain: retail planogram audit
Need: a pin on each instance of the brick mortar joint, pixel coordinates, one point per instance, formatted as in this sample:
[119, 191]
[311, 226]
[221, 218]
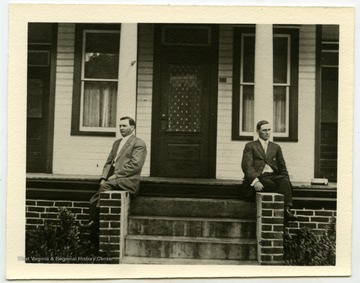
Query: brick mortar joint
[118, 192]
[270, 217]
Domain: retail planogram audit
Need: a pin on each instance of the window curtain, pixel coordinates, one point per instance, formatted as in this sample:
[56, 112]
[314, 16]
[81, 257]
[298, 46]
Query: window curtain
[99, 104]
[280, 109]
[248, 108]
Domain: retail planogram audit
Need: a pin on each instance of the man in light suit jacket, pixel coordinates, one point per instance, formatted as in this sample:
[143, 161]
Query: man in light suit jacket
[265, 170]
[122, 168]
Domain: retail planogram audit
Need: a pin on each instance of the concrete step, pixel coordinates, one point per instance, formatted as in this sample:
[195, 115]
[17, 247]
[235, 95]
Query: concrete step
[184, 261]
[192, 207]
[192, 227]
[190, 247]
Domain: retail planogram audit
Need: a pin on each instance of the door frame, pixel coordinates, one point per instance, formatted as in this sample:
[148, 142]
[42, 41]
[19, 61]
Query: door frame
[213, 50]
[318, 99]
[317, 171]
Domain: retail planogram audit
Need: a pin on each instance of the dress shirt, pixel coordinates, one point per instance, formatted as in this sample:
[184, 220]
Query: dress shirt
[267, 168]
[122, 142]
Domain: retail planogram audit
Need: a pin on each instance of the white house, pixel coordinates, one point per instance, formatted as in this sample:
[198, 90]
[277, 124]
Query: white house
[195, 90]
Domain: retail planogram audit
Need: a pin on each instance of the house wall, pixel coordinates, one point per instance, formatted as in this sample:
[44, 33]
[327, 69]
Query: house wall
[86, 155]
[82, 154]
[299, 155]
[144, 89]
[79, 155]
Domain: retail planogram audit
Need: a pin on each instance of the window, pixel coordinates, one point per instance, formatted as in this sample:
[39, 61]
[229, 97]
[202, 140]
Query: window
[96, 80]
[285, 83]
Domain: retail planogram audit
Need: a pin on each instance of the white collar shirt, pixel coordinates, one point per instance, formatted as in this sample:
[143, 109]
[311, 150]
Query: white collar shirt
[264, 143]
[121, 145]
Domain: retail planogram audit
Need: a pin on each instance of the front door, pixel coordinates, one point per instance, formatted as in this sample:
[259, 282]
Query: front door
[327, 103]
[41, 55]
[184, 119]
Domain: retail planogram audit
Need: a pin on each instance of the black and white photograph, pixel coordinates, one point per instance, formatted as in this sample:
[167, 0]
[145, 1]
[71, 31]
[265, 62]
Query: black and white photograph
[186, 144]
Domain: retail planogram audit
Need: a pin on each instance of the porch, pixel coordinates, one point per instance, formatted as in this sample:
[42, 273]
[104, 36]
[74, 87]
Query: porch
[183, 221]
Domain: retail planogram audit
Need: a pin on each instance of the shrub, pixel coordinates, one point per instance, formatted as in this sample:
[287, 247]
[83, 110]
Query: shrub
[58, 243]
[307, 248]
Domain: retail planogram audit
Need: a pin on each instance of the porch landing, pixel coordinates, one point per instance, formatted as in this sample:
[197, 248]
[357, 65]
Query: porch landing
[82, 187]
[163, 180]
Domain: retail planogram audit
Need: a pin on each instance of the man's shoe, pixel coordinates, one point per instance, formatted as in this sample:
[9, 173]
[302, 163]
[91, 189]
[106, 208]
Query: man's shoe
[89, 224]
[289, 216]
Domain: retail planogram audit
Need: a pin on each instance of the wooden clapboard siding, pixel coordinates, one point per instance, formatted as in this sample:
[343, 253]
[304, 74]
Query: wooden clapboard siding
[299, 155]
[229, 152]
[144, 88]
[72, 154]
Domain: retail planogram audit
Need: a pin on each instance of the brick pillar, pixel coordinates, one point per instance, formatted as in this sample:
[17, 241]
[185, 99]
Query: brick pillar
[114, 206]
[270, 228]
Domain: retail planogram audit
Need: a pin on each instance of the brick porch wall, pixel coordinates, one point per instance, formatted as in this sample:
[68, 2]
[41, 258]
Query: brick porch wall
[316, 219]
[271, 213]
[37, 211]
[270, 225]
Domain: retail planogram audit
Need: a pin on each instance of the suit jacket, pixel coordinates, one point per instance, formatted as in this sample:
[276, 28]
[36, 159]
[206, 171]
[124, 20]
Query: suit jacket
[127, 166]
[254, 160]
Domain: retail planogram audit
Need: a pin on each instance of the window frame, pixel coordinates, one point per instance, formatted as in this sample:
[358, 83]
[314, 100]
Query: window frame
[292, 110]
[76, 127]
[243, 83]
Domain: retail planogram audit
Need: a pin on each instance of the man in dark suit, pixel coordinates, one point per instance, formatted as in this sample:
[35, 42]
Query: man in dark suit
[122, 168]
[265, 170]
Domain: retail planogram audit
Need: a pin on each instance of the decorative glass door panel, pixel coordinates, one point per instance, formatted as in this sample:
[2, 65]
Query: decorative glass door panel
[184, 102]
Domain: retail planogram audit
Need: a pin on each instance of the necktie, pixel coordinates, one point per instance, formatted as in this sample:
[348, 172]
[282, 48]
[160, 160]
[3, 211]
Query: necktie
[265, 147]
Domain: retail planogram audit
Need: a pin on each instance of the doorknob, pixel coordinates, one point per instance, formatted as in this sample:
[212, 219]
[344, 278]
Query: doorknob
[163, 122]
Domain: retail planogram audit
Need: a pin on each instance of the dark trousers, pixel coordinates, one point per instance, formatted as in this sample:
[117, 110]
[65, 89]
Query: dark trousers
[277, 184]
[94, 201]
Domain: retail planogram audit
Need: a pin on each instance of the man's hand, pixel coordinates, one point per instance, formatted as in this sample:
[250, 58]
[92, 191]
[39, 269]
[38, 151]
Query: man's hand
[258, 186]
[112, 177]
[102, 182]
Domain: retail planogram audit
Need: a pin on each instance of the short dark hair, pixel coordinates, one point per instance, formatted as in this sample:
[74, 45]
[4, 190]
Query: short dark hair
[131, 121]
[260, 123]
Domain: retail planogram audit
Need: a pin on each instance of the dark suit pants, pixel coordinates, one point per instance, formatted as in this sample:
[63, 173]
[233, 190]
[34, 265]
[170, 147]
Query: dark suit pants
[277, 184]
[94, 201]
